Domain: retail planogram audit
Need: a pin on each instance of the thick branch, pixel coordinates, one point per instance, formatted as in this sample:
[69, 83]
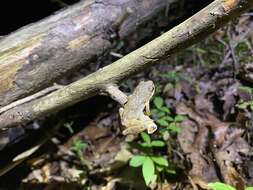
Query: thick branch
[192, 30]
[35, 56]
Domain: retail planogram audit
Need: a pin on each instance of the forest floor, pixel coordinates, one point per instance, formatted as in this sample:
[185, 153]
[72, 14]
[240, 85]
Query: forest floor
[203, 106]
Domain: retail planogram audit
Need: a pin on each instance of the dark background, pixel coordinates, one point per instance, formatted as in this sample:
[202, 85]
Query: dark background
[17, 13]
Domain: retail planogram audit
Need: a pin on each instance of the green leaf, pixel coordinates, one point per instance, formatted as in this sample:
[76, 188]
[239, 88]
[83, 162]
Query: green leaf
[162, 122]
[174, 128]
[200, 50]
[161, 114]
[245, 89]
[249, 188]
[172, 76]
[179, 118]
[154, 111]
[168, 118]
[157, 143]
[144, 144]
[159, 168]
[220, 186]
[160, 160]
[79, 145]
[146, 137]
[251, 107]
[137, 161]
[170, 171]
[148, 170]
[243, 105]
[69, 126]
[158, 101]
[165, 109]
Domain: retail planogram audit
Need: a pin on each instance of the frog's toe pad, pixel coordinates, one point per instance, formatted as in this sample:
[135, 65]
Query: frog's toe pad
[152, 129]
[125, 132]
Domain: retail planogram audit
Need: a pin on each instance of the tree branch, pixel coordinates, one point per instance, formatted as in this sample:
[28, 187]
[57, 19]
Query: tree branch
[66, 41]
[30, 98]
[190, 31]
[116, 94]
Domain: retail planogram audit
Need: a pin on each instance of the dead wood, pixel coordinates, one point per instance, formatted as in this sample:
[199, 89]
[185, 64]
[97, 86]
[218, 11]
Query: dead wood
[35, 56]
[192, 30]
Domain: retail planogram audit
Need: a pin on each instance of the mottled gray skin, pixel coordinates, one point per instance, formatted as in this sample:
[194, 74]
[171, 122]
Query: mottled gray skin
[134, 114]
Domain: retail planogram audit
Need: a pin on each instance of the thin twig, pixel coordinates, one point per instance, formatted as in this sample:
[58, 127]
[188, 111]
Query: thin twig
[116, 94]
[231, 47]
[30, 98]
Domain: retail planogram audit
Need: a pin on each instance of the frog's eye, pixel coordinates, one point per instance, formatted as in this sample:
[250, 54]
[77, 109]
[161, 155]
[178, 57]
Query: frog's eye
[151, 88]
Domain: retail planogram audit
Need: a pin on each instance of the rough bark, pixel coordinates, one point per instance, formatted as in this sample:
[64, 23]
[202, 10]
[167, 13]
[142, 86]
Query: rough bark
[192, 30]
[33, 57]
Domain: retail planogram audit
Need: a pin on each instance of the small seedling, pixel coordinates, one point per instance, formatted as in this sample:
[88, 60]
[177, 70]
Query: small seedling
[151, 164]
[87, 187]
[246, 104]
[164, 118]
[223, 186]
[69, 125]
[78, 147]
[172, 76]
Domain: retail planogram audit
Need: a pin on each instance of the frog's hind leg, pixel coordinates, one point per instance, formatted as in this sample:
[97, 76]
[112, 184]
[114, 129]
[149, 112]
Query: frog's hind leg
[135, 127]
[150, 125]
[133, 130]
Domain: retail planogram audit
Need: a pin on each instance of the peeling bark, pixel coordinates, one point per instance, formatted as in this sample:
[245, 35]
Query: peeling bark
[35, 56]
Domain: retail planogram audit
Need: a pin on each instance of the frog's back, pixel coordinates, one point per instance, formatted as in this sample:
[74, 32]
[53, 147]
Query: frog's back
[141, 95]
[135, 105]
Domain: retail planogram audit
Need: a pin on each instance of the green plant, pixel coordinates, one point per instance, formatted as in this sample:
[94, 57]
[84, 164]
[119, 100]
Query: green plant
[69, 125]
[78, 147]
[246, 104]
[172, 76]
[223, 186]
[243, 52]
[163, 116]
[151, 164]
[220, 186]
[86, 187]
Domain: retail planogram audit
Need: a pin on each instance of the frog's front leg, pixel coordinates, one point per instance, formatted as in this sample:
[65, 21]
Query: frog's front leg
[134, 126]
[147, 108]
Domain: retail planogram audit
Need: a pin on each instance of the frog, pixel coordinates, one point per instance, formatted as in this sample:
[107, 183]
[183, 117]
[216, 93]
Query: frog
[135, 112]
